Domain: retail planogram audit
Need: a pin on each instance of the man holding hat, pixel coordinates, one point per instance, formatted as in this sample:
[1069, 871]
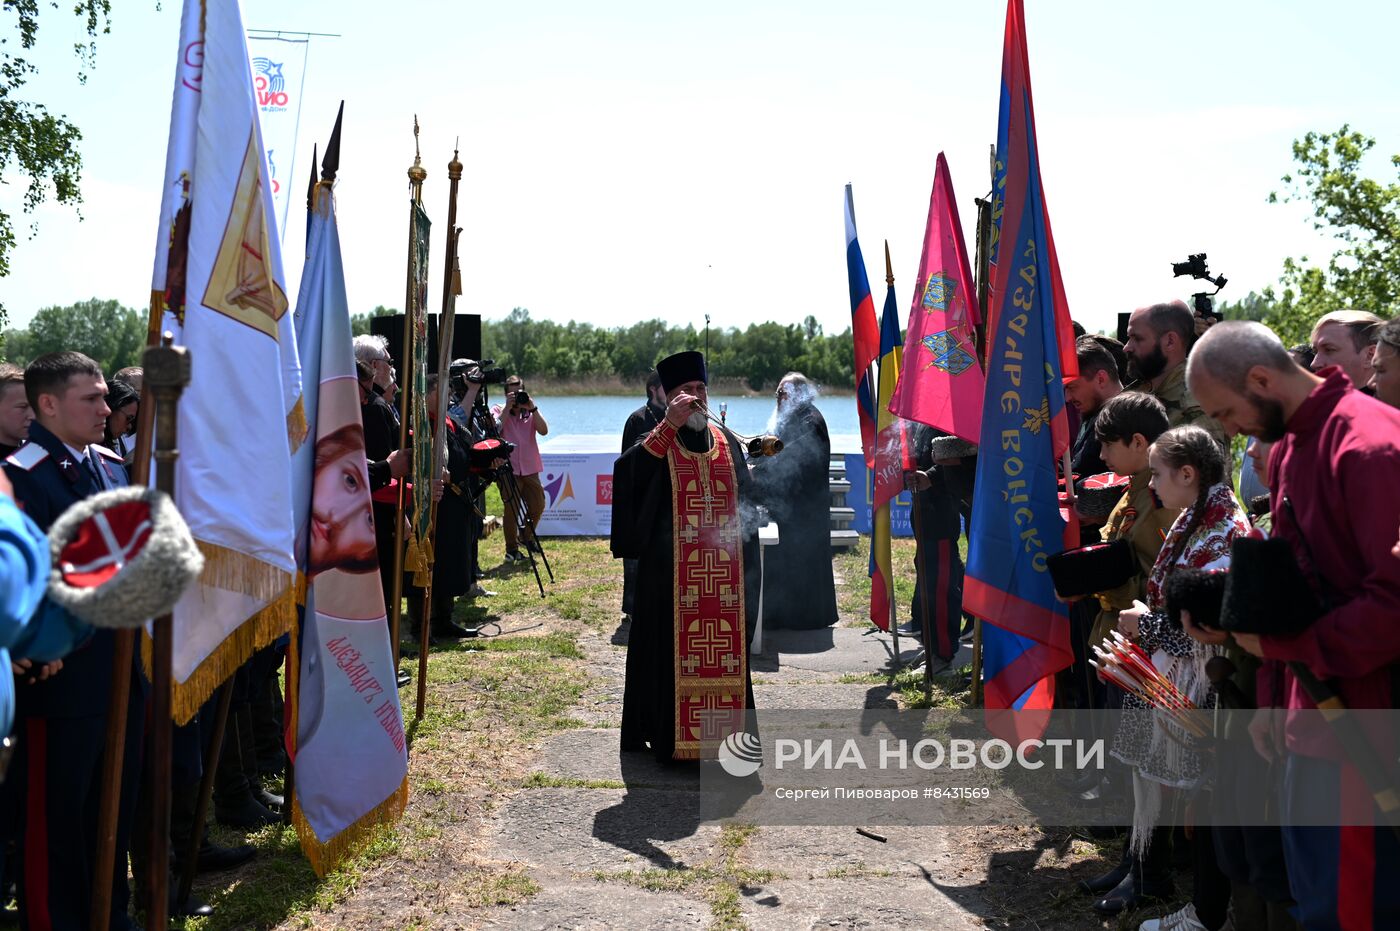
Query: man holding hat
[676, 499]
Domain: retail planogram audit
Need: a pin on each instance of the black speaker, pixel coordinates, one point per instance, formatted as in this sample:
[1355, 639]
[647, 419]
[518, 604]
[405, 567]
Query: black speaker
[1123, 328]
[466, 338]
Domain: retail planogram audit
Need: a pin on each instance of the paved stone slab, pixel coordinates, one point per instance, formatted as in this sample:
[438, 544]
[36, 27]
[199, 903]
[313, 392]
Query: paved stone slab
[857, 902]
[822, 696]
[592, 753]
[814, 852]
[581, 830]
[832, 652]
[597, 906]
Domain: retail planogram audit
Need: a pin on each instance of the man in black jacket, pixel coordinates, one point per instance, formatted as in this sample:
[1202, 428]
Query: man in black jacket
[639, 423]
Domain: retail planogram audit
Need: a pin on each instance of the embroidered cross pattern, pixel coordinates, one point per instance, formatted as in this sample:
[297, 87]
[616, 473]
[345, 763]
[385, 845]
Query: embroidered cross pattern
[710, 640]
[706, 570]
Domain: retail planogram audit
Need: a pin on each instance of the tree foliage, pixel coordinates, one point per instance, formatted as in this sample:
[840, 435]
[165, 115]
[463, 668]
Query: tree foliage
[113, 335]
[359, 323]
[760, 354]
[42, 147]
[1363, 214]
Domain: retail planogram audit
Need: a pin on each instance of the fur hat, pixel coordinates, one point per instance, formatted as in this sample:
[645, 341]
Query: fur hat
[1088, 570]
[122, 557]
[1267, 592]
[951, 447]
[1199, 592]
[1098, 494]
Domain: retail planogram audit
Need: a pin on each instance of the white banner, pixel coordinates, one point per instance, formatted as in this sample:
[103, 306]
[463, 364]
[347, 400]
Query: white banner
[577, 481]
[279, 75]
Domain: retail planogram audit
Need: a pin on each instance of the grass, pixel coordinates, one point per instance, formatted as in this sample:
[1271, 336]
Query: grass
[490, 700]
[546, 781]
[721, 883]
[852, 570]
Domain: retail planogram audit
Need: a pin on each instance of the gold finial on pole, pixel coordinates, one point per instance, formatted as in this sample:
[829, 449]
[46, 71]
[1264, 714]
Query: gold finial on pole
[889, 269]
[454, 167]
[417, 174]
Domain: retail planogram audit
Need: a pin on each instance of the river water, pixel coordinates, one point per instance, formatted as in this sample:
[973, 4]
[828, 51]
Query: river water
[604, 416]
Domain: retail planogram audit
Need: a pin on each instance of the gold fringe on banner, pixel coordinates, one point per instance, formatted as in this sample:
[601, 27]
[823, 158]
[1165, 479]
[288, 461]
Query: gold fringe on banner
[296, 425]
[236, 572]
[325, 857]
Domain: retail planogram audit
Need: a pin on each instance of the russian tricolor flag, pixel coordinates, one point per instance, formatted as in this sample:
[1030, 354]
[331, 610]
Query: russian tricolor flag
[865, 331]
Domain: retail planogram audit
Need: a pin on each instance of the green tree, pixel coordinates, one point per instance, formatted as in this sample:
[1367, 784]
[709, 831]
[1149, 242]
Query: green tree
[1363, 214]
[111, 334]
[43, 146]
[359, 323]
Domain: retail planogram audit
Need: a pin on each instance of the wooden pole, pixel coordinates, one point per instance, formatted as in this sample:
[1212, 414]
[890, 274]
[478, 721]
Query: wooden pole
[206, 793]
[894, 617]
[166, 373]
[123, 654]
[416, 175]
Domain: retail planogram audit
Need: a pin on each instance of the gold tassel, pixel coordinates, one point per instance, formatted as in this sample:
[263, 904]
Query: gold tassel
[326, 856]
[296, 425]
[238, 572]
[276, 619]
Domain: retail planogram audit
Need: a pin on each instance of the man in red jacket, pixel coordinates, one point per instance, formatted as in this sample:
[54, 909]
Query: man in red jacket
[1335, 490]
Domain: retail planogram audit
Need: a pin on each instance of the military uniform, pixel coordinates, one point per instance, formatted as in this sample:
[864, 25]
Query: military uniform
[1140, 518]
[937, 519]
[1182, 408]
[55, 781]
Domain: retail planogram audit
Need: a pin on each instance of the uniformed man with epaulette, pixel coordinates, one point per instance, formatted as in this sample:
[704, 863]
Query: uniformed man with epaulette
[61, 720]
[1159, 340]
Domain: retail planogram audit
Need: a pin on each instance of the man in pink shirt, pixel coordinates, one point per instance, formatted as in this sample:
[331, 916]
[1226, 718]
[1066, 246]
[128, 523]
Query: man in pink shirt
[521, 422]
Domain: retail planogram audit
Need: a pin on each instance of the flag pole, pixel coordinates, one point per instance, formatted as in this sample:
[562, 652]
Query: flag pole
[984, 286]
[416, 175]
[451, 287]
[894, 624]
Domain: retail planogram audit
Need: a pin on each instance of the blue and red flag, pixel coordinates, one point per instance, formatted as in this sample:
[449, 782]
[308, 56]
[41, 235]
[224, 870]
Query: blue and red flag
[892, 458]
[865, 332]
[1016, 520]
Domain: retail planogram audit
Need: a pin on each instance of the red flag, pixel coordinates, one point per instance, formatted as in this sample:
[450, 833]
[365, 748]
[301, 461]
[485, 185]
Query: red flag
[941, 383]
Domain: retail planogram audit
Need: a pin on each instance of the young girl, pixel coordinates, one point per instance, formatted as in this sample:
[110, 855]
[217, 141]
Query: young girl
[1188, 471]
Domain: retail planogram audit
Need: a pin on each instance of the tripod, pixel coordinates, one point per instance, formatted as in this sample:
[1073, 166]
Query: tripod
[510, 491]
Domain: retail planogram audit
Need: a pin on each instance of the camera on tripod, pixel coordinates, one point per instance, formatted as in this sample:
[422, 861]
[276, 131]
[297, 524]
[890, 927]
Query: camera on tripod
[1196, 267]
[468, 371]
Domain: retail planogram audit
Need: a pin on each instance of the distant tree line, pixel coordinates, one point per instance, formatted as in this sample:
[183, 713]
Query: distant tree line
[760, 354]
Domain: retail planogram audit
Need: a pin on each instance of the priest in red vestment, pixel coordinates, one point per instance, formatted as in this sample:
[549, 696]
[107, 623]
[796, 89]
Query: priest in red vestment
[679, 499]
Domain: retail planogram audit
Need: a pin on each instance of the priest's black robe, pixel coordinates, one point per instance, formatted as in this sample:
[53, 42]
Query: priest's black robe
[799, 589]
[642, 529]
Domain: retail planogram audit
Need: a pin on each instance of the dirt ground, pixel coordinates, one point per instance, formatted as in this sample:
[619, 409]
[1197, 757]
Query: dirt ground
[524, 815]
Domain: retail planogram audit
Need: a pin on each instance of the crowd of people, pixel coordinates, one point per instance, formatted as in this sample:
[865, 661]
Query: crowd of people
[1155, 417]
[68, 432]
[1152, 473]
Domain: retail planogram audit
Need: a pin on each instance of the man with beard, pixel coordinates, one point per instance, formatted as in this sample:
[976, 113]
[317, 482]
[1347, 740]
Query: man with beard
[641, 422]
[676, 505]
[799, 590]
[1335, 477]
[1159, 340]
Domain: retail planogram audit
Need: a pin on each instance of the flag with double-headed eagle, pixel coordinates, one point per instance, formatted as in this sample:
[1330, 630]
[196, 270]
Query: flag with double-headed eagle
[218, 286]
[1016, 519]
[941, 382]
[344, 730]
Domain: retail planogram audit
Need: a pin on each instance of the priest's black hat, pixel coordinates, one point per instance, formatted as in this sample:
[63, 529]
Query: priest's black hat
[681, 369]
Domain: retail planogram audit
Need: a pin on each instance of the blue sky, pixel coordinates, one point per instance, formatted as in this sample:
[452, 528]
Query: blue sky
[633, 160]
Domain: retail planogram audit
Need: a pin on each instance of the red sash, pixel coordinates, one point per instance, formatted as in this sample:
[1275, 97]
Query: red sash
[709, 597]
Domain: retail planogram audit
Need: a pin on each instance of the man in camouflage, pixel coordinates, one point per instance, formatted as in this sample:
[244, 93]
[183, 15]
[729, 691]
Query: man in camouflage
[1159, 340]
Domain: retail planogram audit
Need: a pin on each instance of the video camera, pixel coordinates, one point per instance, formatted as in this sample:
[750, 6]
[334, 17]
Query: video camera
[1195, 266]
[468, 371]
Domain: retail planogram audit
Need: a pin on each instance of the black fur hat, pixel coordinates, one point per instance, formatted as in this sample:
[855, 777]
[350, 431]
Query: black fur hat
[1088, 570]
[1266, 592]
[1199, 592]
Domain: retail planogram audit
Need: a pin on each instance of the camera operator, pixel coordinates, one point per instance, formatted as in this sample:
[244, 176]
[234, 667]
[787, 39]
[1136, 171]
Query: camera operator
[520, 422]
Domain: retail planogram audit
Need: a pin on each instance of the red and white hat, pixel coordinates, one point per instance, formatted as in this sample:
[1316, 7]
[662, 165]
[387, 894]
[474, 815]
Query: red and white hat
[122, 557]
